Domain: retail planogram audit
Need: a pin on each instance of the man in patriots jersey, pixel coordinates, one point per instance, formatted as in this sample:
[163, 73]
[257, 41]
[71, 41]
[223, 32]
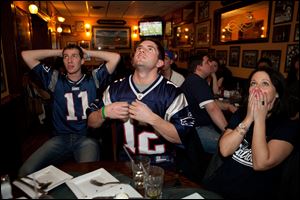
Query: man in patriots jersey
[151, 113]
[71, 94]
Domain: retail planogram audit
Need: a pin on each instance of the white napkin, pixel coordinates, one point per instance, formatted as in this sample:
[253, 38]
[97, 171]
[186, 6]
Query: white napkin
[194, 196]
[30, 192]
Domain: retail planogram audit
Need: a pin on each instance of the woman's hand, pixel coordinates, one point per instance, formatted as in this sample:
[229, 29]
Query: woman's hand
[261, 106]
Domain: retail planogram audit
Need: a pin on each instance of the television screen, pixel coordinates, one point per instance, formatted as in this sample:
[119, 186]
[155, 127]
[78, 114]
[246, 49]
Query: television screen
[151, 28]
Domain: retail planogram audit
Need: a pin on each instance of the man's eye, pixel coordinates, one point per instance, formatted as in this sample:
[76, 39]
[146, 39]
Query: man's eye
[252, 84]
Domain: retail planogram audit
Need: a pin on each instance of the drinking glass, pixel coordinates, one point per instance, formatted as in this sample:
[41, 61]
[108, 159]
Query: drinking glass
[154, 183]
[139, 165]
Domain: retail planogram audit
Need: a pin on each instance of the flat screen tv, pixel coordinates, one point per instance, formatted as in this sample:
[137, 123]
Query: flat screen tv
[151, 28]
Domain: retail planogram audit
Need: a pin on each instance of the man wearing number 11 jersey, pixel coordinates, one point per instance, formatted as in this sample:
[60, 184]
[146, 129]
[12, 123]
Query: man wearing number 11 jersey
[151, 113]
[71, 94]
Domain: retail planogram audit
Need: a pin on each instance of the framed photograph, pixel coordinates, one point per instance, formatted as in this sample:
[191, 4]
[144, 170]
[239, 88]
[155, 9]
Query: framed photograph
[296, 34]
[249, 58]
[281, 33]
[168, 29]
[79, 26]
[291, 51]
[203, 34]
[234, 56]
[274, 56]
[283, 11]
[111, 37]
[203, 10]
[84, 44]
[221, 55]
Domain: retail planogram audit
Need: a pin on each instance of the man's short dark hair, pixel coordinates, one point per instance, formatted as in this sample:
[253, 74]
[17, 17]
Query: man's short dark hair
[193, 62]
[74, 46]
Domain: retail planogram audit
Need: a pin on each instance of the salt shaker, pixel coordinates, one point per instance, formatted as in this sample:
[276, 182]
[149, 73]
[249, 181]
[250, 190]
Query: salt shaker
[6, 191]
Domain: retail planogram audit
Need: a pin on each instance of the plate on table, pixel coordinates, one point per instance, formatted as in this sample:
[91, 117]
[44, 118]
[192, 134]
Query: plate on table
[50, 173]
[83, 189]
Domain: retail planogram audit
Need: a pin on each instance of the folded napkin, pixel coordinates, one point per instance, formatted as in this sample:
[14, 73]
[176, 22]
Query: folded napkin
[194, 196]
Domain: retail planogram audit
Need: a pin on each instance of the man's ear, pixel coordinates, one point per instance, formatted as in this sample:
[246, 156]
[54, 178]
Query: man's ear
[160, 63]
[82, 61]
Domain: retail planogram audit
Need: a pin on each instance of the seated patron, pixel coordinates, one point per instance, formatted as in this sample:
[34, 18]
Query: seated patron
[208, 115]
[151, 114]
[71, 92]
[259, 138]
[168, 72]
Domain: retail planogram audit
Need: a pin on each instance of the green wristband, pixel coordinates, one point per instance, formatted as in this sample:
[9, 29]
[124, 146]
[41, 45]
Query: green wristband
[103, 112]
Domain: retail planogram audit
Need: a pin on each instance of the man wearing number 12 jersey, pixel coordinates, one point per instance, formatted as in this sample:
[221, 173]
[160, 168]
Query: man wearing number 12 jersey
[71, 94]
[150, 112]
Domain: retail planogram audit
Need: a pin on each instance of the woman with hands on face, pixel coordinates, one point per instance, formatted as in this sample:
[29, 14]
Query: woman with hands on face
[258, 138]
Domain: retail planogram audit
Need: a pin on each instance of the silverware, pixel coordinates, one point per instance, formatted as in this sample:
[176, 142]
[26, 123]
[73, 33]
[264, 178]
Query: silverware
[98, 183]
[42, 186]
[39, 190]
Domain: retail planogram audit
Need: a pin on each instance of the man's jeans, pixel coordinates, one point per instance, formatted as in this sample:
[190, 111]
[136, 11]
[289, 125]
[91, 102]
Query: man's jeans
[209, 138]
[58, 149]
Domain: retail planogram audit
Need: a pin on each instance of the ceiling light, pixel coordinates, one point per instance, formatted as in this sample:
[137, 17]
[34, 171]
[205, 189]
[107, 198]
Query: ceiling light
[61, 19]
[33, 9]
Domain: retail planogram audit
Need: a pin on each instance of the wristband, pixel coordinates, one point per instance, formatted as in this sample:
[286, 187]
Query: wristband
[103, 112]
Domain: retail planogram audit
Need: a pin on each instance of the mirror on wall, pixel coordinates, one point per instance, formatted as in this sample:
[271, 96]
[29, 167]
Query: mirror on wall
[243, 22]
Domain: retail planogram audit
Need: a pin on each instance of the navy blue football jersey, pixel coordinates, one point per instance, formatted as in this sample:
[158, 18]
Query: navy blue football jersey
[71, 99]
[164, 99]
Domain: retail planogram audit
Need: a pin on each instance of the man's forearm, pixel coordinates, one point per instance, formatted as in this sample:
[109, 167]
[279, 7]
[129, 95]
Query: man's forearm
[33, 57]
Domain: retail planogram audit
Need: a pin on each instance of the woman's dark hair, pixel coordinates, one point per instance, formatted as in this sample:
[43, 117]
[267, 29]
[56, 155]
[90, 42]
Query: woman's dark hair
[280, 106]
[74, 46]
[292, 74]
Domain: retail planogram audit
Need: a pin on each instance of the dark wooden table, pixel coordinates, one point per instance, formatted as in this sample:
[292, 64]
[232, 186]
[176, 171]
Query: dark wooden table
[175, 185]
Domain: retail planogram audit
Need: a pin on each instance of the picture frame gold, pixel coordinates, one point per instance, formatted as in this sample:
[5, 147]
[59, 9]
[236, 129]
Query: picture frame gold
[203, 34]
[105, 37]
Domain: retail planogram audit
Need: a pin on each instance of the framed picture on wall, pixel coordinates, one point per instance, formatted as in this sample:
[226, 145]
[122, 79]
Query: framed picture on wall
[203, 34]
[79, 26]
[234, 56]
[221, 55]
[296, 34]
[281, 33]
[168, 29]
[249, 58]
[274, 56]
[291, 51]
[283, 11]
[211, 52]
[84, 44]
[203, 10]
[111, 37]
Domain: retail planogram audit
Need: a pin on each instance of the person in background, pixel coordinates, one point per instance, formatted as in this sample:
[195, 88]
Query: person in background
[150, 112]
[71, 94]
[216, 83]
[208, 115]
[220, 78]
[258, 138]
[293, 88]
[168, 72]
[264, 62]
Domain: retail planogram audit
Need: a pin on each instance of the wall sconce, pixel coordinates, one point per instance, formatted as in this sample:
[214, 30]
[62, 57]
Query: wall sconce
[87, 29]
[59, 29]
[61, 19]
[33, 9]
[135, 31]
